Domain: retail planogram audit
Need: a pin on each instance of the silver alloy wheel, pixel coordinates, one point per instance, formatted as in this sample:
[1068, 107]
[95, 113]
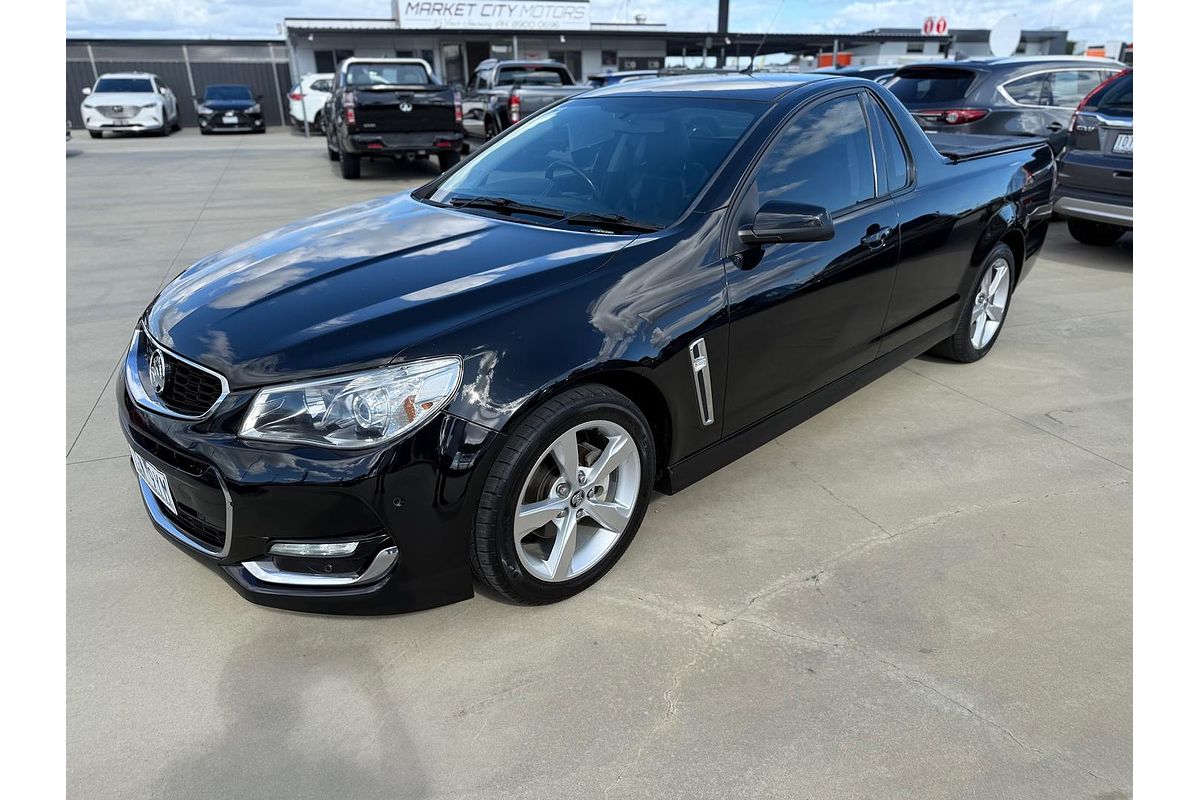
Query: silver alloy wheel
[577, 500]
[990, 303]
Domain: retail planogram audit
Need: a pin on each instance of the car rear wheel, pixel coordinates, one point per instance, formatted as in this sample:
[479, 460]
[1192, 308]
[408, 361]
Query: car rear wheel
[984, 313]
[1097, 234]
[351, 165]
[565, 496]
[96, 134]
[448, 160]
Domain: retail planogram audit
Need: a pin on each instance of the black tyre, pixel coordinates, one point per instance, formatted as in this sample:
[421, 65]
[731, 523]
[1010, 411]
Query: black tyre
[565, 496]
[318, 123]
[176, 126]
[984, 311]
[96, 134]
[448, 160]
[205, 132]
[489, 128]
[334, 155]
[351, 165]
[1097, 234]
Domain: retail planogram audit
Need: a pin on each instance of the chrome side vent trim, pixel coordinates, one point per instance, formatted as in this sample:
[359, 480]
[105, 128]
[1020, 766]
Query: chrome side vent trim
[700, 373]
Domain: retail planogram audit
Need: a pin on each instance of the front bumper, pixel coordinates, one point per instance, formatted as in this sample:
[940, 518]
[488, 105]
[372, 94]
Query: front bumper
[238, 121]
[386, 144]
[411, 505]
[1111, 209]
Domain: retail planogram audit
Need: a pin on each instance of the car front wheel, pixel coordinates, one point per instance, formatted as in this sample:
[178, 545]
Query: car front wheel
[565, 496]
[1097, 234]
[351, 165]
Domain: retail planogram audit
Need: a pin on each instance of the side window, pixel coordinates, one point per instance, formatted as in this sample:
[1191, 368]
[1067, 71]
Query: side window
[1068, 88]
[822, 158]
[322, 85]
[1028, 91]
[894, 167]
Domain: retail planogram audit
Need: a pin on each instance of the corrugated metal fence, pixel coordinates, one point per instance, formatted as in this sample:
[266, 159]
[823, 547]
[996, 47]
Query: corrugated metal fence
[186, 67]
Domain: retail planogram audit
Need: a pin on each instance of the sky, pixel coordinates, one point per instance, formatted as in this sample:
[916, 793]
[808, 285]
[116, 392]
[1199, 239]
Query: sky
[1093, 21]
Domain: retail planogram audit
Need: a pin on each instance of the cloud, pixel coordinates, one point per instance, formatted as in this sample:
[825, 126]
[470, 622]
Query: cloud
[1087, 20]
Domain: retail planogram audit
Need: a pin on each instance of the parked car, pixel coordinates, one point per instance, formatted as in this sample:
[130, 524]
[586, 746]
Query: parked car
[307, 99]
[230, 107]
[1019, 96]
[489, 374]
[134, 102]
[391, 107]
[503, 92]
[879, 74]
[1095, 176]
[610, 78]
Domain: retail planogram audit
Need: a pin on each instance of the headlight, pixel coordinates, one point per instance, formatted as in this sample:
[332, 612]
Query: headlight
[204, 110]
[254, 109]
[359, 410]
[151, 105]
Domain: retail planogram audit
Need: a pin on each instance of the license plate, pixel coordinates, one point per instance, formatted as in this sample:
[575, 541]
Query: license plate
[231, 117]
[155, 479]
[1124, 143]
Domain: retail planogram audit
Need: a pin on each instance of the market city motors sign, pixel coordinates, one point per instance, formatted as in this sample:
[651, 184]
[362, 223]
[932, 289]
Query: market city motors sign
[542, 15]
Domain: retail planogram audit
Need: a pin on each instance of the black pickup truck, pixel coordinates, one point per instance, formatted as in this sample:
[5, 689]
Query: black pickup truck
[489, 375]
[391, 107]
[502, 93]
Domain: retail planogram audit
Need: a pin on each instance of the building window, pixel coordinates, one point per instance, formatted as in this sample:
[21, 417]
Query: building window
[915, 47]
[608, 58]
[327, 60]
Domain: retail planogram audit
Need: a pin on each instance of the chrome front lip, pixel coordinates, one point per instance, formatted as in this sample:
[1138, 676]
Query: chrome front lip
[144, 399]
[175, 532]
[266, 571]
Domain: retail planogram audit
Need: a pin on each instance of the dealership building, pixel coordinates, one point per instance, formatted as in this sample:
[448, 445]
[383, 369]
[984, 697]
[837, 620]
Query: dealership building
[455, 35]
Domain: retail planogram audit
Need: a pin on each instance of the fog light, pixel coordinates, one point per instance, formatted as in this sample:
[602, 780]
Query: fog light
[314, 549]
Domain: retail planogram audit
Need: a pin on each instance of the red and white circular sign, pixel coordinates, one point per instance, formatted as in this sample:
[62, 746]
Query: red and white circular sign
[935, 26]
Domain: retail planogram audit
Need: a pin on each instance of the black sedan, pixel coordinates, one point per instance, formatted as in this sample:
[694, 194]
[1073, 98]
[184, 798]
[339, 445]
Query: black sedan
[486, 377]
[230, 107]
[1095, 177]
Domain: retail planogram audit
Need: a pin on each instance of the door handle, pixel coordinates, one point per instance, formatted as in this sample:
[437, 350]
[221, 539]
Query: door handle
[1054, 127]
[875, 239]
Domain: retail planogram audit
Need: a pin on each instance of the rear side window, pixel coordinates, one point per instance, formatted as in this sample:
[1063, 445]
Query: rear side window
[931, 85]
[323, 85]
[822, 158]
[894, 169]
[1029, 91]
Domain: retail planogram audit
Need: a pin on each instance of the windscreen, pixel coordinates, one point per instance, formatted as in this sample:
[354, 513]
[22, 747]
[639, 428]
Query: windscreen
[124, 85]
[642, 158]
[532, 76]
[228, 93]
[365, 75]
[924, 85]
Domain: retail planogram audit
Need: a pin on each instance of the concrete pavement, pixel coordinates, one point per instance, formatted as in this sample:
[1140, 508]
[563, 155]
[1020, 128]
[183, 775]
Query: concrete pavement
[924, 591]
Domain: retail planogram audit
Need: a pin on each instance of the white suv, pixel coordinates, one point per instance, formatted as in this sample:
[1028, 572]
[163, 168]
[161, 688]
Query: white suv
[130, 101]
[307, 99]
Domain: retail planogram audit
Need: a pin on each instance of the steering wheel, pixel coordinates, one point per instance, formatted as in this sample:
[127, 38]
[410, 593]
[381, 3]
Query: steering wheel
[571, 168]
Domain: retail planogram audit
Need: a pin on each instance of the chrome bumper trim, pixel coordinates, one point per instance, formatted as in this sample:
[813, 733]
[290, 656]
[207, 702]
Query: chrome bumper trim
[266, 571]
[1112, 213]
[177, 533]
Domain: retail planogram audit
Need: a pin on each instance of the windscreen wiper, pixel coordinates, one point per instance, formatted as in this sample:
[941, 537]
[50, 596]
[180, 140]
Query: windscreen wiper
[614, 221]
[505, 206]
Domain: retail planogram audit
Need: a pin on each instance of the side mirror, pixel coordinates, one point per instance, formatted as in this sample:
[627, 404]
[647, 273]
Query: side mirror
[781, 221]
[87, 90]
[258, 97]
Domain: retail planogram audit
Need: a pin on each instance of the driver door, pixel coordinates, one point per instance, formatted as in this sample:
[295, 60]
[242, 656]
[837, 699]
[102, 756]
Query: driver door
[804, 314]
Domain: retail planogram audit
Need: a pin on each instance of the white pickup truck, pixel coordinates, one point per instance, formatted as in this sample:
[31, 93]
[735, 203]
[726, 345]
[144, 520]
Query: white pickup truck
[130, 101]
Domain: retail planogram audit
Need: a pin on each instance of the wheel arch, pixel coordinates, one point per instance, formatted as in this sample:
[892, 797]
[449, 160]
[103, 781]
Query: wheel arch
[633, 384]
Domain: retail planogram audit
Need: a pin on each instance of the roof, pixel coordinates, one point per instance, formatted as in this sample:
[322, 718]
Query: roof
[1032, 61]
[737, 86]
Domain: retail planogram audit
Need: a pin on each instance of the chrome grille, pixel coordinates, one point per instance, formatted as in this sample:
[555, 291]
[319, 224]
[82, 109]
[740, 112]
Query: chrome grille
[118, 112]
